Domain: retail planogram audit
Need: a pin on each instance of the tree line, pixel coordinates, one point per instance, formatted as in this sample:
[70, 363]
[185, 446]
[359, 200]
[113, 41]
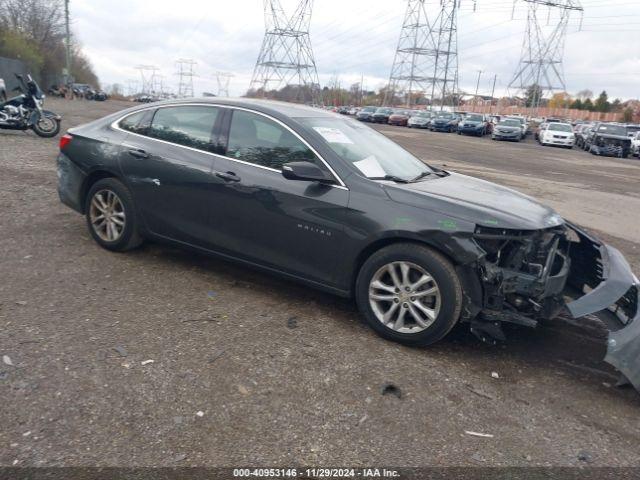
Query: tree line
[33, 31]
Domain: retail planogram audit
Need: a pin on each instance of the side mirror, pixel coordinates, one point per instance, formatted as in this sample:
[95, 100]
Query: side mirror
[305, 171]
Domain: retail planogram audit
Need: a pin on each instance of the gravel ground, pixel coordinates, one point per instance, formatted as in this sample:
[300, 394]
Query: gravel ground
[159, 357]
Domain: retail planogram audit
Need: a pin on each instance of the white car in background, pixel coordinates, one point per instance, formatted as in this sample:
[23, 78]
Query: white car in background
[558, 134]
[635, 145]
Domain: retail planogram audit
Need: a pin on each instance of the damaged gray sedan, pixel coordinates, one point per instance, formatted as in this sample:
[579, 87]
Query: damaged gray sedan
[329, 202]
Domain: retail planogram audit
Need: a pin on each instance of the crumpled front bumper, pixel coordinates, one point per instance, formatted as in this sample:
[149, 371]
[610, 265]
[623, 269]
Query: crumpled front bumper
[604, 273]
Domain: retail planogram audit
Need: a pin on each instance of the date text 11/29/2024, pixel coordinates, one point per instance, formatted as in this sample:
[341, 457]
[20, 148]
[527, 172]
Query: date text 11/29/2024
[315, 473]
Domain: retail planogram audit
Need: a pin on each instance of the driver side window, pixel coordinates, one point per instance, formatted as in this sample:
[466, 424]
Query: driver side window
[256, 139]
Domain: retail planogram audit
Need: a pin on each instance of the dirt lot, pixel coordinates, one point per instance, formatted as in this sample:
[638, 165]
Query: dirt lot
[248, 369]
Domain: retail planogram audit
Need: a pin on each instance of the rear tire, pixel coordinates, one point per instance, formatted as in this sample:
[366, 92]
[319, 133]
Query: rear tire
[423, 313]
[111, 216]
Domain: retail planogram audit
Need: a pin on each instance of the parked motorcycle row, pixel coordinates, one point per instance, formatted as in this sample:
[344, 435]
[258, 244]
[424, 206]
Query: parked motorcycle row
[25, 111]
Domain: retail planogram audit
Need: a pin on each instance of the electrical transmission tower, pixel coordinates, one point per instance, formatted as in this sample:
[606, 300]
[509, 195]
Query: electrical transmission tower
[286, 57]
[223, 79]
[147, 75]
[540, 64]
[426, 60]
[186, 74]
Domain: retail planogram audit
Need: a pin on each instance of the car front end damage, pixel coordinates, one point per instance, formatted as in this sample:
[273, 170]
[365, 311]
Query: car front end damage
[526, 276]
[611, 145]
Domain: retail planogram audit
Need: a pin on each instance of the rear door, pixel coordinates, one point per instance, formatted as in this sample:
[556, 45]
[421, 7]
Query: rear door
[168, 166]
[293, 226]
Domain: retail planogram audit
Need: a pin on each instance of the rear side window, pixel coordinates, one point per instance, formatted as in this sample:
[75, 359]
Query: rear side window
[191, 126]
[132, 123]
[261, 141]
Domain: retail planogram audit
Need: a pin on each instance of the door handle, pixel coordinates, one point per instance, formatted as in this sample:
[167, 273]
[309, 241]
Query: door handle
[228, 176]
[138, 153]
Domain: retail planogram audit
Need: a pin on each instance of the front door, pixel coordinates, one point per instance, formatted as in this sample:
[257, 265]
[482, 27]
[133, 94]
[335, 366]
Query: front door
[293, 226]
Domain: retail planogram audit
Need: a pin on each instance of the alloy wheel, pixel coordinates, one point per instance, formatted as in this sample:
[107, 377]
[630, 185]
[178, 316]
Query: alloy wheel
[404, 297]
[107, 216]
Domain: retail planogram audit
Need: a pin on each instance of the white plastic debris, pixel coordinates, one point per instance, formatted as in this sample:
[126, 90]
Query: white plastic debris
[200, 413]
[495, 375]
[7, 360]
[146, 362]
[478, 434]
[26, 434]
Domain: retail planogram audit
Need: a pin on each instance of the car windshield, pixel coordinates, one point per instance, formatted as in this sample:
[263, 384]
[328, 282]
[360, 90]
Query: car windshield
[613, 129]
[560, 127]
[371, 153]
[423, 114]
[369, 109]
[474, 118]
[509, 123]
[447, 116]
[384, 110]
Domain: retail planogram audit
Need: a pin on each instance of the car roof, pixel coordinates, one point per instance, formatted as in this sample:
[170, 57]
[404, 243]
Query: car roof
[272, 107]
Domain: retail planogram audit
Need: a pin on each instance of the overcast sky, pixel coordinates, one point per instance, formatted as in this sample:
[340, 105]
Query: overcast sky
[350, 38]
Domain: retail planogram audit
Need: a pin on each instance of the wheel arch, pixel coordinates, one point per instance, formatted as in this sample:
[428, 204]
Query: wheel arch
[383, 242]
[94, 176]
[472, 289]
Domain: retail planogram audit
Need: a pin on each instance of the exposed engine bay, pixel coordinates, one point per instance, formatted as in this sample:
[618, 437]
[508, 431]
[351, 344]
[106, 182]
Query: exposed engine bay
[527, 276]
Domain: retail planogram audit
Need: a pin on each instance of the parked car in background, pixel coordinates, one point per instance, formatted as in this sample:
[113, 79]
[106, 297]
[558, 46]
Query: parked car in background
[353, 110]
[3, 91]
[366, 114]
[399, 118]
[609, 139]
[420, 120]
[635, 145]
[444, 122]
[507, 129]
[541, 128]
[581, 131]
[382, 115]
[558, 134]
[632, 129]
[474, 124]
[523, 125]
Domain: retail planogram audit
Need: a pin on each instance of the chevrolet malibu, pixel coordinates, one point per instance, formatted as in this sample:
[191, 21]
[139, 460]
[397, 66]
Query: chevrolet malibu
[326, 201]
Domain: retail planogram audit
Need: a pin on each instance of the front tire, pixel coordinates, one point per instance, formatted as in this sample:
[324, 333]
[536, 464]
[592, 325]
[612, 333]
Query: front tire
[111, 216]
[46, 127]
[409, 293]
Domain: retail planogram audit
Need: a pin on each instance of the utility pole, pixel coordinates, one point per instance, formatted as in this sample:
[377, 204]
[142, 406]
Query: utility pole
[67, 43]
[493, 91]
[286, 56]
[541, 62]
[475, 97]
[147, 77]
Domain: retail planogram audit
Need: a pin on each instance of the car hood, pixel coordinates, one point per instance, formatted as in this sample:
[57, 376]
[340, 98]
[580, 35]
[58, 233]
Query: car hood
[612, 137]
[505, 128]
[477, 201]
[471, 123]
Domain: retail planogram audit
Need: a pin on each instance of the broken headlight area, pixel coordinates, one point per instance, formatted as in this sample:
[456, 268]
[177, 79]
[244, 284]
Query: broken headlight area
[527, 276]
[523, 274]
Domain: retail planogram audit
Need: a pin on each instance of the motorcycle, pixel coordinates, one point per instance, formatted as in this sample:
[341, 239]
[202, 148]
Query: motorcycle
[25, 111]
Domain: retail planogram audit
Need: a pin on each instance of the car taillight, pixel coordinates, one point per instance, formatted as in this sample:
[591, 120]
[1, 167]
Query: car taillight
[65, 140]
